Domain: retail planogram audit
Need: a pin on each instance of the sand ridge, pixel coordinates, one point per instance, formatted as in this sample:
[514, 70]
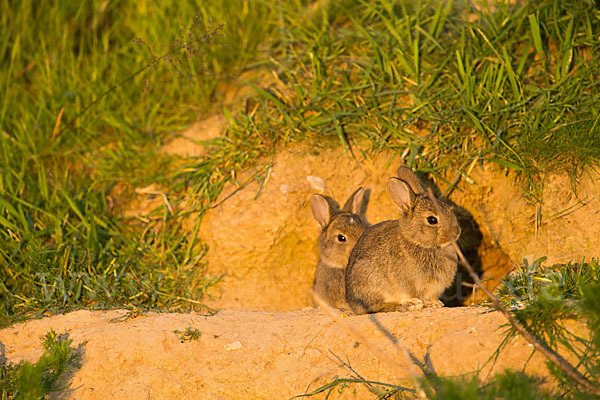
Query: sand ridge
[257, 354]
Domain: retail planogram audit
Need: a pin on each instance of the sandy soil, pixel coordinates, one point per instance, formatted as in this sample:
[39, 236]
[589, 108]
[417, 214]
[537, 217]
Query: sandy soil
[260, 355]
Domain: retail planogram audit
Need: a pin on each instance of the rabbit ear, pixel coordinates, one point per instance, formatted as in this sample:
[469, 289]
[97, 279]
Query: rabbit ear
[408, 176]
[354, 203]
[322, 208]
[401, 193]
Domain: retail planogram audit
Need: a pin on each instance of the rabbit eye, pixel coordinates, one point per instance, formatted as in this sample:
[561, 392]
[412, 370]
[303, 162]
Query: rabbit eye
[431, 220]
[341, 238]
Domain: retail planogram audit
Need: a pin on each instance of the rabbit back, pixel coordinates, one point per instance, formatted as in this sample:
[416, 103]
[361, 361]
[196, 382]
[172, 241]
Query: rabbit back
[408, 258]
[373, 268]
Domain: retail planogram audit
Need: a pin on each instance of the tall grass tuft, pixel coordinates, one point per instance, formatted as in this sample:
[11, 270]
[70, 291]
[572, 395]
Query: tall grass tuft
[89, 92]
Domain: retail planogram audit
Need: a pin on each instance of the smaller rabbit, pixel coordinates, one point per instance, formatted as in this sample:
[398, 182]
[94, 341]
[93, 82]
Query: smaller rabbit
[404, 264]
[340, 229]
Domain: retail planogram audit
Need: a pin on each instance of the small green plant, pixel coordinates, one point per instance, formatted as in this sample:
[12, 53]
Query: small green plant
[7, 381]
[530, 283]
[34, 380]
[506, 385]
[188, 334]
[546, 300]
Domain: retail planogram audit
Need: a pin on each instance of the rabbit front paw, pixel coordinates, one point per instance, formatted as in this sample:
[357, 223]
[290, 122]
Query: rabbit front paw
[412, 304]
[432, 304]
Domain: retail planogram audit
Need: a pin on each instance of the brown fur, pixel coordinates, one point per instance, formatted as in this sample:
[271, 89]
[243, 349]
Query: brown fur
[333, 255]
[407, 263]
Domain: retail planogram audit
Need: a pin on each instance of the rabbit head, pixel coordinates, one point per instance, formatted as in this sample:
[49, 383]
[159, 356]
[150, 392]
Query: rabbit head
[426, 221]
[340, 229]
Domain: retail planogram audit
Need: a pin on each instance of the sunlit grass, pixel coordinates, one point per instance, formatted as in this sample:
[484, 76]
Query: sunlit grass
[89, 91]
[444, 84]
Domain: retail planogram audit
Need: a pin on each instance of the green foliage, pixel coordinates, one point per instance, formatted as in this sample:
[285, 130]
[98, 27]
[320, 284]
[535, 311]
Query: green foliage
[7, 381]
[444, 84]
[506, 385]
[89, 92]
[591, 307]
[34, 380]
[548, 300]
[533, 282]
[188, 334]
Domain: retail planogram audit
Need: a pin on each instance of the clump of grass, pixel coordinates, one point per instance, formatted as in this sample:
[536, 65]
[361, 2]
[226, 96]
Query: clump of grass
[188, 334]
[380, 390]
[28, 380]
[545, 299]
[533, 282]
[83, 112]
[505, 385]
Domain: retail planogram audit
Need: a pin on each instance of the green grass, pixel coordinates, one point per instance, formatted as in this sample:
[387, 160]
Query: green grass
[28, 380]
[516, 86]
[89, 92]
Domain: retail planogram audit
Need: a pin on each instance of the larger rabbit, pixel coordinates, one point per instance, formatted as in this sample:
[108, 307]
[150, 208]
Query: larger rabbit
[404, 264]
[340, 229]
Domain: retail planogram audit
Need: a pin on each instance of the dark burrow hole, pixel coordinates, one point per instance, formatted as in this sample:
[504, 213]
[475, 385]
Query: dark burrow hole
[487, 259]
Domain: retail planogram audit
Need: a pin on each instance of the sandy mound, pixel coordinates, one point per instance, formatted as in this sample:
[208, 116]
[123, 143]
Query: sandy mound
[259, 355]
[262, 238]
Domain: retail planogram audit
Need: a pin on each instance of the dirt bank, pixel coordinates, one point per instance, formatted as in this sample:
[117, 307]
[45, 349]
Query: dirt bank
[262, 237]
[259, 355]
